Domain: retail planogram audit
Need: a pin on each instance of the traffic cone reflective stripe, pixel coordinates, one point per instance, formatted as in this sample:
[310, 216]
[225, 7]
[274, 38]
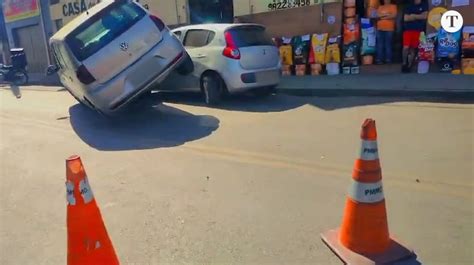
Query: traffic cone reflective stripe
[364, 237]
[87, 238]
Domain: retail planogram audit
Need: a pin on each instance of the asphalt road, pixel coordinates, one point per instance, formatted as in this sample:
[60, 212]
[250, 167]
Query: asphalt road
[254, 181]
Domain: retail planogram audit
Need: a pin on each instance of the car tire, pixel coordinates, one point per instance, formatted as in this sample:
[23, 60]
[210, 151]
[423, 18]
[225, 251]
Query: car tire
[186, 67]
[213, 88]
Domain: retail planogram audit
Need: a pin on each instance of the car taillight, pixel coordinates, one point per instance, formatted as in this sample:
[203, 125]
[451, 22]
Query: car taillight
[231, 50]
[84, 76]
[158, 22]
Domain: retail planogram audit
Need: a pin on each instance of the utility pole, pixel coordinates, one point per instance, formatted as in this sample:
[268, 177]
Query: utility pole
[4, 38]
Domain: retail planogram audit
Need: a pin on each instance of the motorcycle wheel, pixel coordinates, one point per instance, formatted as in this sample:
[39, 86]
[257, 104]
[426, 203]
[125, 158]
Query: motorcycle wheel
[20, 77]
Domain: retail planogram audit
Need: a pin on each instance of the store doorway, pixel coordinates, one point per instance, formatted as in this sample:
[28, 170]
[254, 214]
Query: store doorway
[211, 11]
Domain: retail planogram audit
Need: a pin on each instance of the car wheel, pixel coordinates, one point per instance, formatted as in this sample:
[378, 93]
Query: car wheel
[213, 88]
[186, 67]
[265, 91]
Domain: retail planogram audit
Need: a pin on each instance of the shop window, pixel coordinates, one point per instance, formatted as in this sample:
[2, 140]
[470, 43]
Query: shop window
[198, 38]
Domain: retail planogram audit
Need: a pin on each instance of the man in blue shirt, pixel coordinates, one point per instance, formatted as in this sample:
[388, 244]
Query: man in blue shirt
[414, 19]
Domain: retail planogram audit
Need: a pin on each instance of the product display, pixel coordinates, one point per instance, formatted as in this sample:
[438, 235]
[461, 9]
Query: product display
[426, 50]
[286, 70]
[350, 54]
[300, 50]
[468, 42]
[318, 47]
[286, 54]
[300, 69]
[423, 67]
[367, 59]
[351, 33]
[368, 37]
[468, 66]
[349, 3]
[316, 69]
[333, 53]
[333, 68]
[448, 44]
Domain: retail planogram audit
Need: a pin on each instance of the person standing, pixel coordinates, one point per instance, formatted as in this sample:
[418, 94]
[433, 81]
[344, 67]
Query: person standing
[386, 14]
[414, 19]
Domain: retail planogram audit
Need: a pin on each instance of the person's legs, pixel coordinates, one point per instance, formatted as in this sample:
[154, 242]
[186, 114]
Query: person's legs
[388, 38]
[380, 46]
[406, 46]
[414, 42]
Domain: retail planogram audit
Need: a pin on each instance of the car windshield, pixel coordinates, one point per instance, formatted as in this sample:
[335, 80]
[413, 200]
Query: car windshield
[246, 36]
[103, 28]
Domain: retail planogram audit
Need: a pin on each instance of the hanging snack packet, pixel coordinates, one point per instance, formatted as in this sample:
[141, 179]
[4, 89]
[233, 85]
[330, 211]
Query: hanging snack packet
[300, 49]
[448, 44]
[333, 53]
[318, 47]
[368, 37]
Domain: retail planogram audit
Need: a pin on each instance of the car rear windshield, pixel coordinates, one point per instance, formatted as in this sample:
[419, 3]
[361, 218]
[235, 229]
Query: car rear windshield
[103, 28]
[246, 36]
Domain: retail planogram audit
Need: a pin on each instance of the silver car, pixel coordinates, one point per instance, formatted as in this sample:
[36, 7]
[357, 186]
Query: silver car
[227, 58]
[113, 53]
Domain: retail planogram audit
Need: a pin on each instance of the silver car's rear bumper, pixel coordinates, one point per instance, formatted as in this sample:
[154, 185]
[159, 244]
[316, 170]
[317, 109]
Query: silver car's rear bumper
[233, 77]
[153, 67]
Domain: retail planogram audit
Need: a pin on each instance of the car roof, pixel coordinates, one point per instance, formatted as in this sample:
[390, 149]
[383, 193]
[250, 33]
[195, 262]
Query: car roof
[61, 34]
[216, 26]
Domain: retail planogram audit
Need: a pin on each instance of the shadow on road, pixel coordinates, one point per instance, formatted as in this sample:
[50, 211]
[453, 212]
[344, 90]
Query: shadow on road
[280, 102]
[240, 102]
[141, 128]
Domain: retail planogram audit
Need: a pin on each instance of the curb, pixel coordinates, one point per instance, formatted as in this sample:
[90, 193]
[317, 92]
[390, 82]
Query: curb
[338, 92]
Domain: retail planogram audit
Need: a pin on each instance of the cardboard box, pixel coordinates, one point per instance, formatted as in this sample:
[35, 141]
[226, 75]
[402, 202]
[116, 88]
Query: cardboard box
[316, 69]
[300, 69]
[467, 66]
[286, 70]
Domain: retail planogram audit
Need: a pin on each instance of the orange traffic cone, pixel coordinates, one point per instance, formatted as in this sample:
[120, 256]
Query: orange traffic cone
[87, 239]
[363, 237]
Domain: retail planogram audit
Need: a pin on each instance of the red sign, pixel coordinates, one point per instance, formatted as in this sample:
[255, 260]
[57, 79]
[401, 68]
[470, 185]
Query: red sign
[20, 9]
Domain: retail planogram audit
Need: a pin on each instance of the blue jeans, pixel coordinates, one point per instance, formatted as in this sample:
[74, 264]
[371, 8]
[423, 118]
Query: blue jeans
[384, 46]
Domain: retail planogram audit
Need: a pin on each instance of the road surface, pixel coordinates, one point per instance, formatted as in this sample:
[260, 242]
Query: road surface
[254, 181]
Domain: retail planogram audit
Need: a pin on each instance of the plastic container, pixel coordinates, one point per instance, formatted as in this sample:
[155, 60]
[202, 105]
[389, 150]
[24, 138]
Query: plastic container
[367, 60]
[300, 69]
[332, 68]
[423, 67]
[316, 69]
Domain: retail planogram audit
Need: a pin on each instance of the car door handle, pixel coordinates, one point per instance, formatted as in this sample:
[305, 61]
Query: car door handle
[200, 56]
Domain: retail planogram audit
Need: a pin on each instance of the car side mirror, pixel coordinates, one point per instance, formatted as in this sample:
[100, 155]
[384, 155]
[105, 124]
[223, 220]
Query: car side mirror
[52, 69]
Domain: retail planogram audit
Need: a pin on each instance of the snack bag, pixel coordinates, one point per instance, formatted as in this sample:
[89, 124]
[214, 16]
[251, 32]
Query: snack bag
[300, 50]
[350, 53]
[368, 37]
[333, 53]
[351, 33]
[426, 48]
[318, 47]
[468, 42]
[448, 44]
[286, 54]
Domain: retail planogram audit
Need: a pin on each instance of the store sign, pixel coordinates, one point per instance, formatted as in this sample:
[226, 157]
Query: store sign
[75, 8]
[285, 4]
[20, 9]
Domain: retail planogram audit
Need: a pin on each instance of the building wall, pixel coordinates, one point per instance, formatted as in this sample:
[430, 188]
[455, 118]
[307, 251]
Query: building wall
[172, 12]
[247, 7]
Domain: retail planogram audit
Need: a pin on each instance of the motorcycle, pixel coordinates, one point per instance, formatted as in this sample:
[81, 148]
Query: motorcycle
[15, 75]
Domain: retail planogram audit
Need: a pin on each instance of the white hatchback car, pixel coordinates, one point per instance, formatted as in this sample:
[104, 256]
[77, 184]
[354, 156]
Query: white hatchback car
[227, 58]
[114, 52]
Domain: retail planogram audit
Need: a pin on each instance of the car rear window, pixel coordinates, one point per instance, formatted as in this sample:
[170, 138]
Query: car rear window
[103, 28]
[246, 36]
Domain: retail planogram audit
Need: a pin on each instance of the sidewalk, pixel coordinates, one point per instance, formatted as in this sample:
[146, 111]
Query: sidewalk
[433, 84]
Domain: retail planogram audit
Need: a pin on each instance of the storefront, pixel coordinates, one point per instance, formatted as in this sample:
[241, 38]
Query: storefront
[25, 30]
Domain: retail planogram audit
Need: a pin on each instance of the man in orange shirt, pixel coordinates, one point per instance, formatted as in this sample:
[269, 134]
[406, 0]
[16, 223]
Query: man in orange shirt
[386, 15]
